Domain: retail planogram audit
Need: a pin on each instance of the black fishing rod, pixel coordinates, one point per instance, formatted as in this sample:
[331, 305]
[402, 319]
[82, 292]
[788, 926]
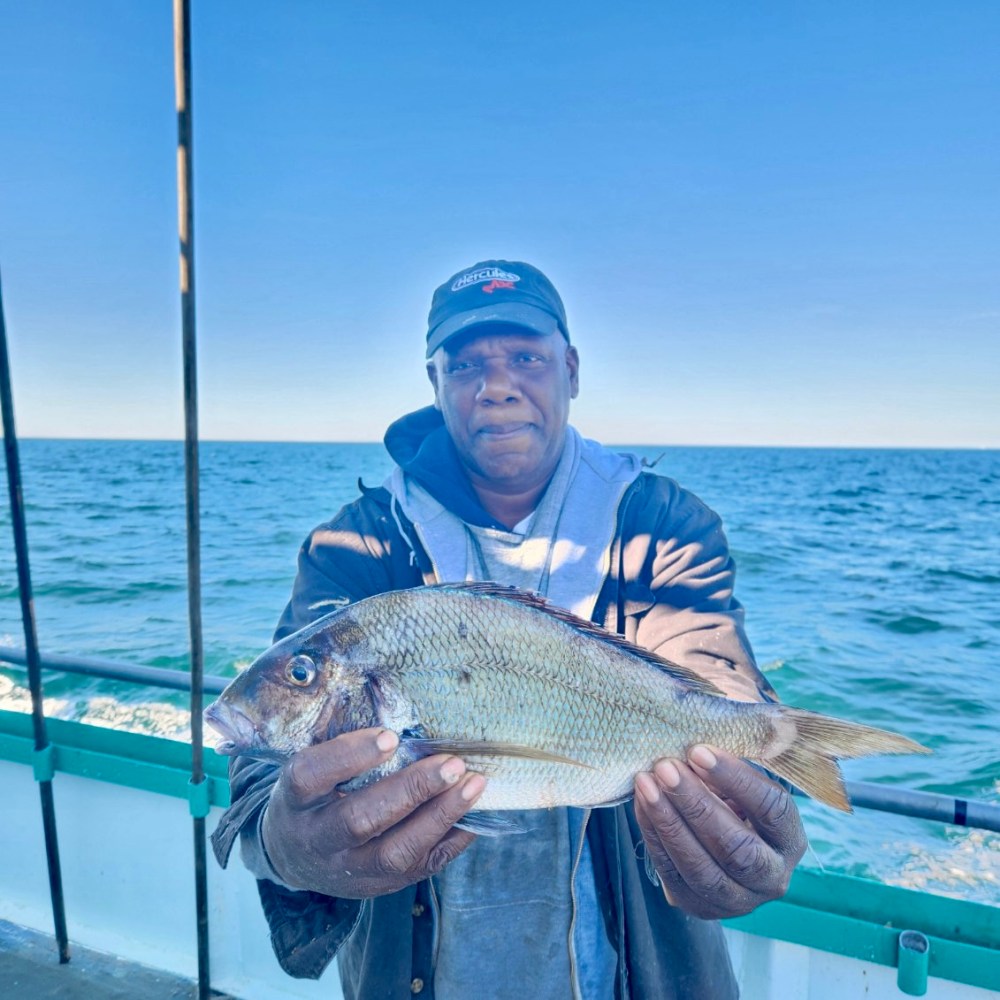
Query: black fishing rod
[43, 760]
[935, 806]
[185, 205]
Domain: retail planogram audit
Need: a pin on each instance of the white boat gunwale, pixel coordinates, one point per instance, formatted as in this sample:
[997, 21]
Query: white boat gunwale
[840, 914]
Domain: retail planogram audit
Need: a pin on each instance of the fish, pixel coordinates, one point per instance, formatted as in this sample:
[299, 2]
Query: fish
[554, 710]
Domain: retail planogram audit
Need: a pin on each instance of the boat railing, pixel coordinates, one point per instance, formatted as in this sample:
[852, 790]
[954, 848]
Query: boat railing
[915, 803]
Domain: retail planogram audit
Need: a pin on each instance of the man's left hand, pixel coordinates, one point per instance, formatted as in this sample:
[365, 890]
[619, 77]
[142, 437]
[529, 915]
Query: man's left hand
[712, 862]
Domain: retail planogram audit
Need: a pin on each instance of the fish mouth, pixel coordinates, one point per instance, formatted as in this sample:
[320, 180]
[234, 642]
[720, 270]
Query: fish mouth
[233, 725]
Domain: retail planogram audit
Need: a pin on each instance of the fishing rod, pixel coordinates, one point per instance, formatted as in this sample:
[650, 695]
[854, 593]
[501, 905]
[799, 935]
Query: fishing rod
[43, 749]
[935, 806]
[185, 213]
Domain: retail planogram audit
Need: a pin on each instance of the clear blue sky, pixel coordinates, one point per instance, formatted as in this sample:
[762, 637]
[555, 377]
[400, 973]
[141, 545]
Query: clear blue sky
[771, 223]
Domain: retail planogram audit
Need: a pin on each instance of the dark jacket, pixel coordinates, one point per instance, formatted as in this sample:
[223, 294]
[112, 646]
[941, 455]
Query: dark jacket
[670, 590]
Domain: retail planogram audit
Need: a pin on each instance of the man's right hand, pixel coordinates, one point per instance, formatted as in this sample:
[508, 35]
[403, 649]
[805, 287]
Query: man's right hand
[374, 840]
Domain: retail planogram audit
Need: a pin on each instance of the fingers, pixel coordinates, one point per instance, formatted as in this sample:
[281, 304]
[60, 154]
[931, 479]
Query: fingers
[660, 826]
[369, 812]
[674, 818]
[415, 849]
[714, 833]
[710, 861]
[426, 840]
[767, 806]
[313, 774]
[449, 848]
[370, 840]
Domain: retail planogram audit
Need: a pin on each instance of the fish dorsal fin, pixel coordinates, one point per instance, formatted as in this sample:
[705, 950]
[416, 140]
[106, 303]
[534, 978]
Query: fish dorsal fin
[688, 677]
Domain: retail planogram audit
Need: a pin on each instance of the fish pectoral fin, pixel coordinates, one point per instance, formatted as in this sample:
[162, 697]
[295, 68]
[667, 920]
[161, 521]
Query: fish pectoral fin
[474, 748]
[490, 824]
[620, 801]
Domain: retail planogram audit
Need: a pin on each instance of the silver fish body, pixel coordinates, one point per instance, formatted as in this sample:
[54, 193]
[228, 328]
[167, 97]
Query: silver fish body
[552, 709]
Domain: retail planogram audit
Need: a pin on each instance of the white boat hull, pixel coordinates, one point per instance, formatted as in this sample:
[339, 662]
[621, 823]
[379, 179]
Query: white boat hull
[128, 875]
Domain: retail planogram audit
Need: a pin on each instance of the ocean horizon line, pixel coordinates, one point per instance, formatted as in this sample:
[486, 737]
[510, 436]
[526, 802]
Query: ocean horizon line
[609, 444]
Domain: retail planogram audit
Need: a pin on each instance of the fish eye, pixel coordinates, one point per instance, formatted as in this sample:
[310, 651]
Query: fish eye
[300, 670]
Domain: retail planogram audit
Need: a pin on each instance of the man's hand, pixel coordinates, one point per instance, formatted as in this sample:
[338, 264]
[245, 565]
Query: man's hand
[377, 839]
[711, 862]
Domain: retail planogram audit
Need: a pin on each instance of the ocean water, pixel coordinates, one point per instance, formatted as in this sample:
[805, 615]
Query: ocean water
[871, 580]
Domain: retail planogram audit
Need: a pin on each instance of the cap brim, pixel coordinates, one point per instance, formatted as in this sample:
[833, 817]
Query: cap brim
[530, 318]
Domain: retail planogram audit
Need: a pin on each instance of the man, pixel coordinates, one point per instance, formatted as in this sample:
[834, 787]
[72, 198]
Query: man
[492, 483]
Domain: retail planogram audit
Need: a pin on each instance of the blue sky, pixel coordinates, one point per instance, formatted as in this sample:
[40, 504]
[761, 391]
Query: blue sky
[771, 224]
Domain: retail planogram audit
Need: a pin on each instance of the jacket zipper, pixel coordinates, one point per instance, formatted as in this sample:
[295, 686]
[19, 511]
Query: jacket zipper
[574, 972]
[435, 922]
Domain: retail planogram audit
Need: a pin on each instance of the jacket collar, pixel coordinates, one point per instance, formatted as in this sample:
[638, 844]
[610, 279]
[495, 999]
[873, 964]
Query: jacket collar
[421, 446]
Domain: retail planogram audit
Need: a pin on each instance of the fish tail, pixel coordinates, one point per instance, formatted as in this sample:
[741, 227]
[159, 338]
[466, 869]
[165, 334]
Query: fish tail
[805, 747]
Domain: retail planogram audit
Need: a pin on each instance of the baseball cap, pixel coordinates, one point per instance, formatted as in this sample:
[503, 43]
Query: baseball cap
[495, 291]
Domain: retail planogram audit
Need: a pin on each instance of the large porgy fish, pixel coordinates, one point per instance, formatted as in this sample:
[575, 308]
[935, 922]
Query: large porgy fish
[554, 710]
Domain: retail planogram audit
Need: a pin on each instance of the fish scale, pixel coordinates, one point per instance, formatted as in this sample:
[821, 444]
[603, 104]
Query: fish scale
[554, 710]
[544, 684]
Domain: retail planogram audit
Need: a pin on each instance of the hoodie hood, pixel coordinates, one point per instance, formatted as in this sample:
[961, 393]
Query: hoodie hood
[421, 446]
[564, 552]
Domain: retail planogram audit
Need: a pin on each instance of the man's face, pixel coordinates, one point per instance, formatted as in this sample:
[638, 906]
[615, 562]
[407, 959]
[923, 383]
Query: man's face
[505, 401]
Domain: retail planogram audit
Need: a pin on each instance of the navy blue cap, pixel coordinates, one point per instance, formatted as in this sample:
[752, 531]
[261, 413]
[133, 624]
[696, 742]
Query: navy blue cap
[495, 291]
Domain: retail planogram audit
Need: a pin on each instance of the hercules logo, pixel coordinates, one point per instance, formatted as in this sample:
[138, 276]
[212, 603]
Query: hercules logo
[497, 278]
